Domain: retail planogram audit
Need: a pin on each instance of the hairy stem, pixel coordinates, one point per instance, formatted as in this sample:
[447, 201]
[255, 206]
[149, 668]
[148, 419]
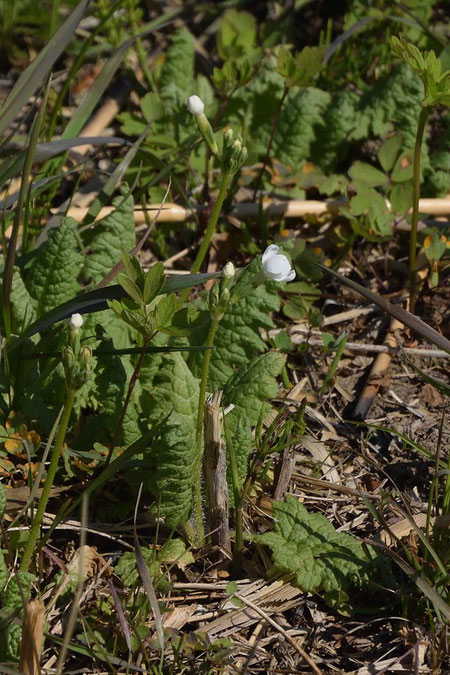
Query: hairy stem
[198, 531]
[272, 136]
[210, 229]
[238, 501]
[126, 403]
[424, 113]
[37, 520]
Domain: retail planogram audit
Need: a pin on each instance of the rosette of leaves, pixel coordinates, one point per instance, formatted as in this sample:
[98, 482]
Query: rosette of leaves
[145, 309]
[321, 559]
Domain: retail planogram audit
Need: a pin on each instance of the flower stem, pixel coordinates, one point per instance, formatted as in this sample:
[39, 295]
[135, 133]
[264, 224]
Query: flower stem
[126, 403]
[424, 113]
[198, 531]
[238, 550]
[37, 520]
[210, 228]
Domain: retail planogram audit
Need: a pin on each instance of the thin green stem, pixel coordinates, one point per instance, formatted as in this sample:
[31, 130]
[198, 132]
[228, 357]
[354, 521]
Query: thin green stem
[198, 531]
[238, 550]
[37, 520]
[210, 229]
[126, 403]
[424, 113]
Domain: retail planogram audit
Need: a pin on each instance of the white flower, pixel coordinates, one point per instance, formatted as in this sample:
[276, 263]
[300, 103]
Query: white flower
[76, 321]
[195, 105]
[276, 266]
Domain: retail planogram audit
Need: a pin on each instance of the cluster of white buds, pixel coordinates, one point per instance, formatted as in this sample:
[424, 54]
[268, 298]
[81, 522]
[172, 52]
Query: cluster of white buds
[234, 153]
[77, 360]
[219, 295]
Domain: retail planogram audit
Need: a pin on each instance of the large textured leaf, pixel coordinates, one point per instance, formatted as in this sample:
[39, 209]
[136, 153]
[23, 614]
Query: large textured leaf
[178, 68]
[307, 545]
[112, 235]
[253, 385]
[238, 337]
[53, 276]
[111, 383]
[249, 389]
[300, 121]
[21, 303]
[167, 466]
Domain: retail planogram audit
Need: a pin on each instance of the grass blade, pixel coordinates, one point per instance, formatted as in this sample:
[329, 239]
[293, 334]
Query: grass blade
[33, 76]
[96, 300]
[11, 252]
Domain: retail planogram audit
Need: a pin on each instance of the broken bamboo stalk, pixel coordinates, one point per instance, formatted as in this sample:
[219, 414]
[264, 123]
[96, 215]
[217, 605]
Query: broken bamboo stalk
[174, 213]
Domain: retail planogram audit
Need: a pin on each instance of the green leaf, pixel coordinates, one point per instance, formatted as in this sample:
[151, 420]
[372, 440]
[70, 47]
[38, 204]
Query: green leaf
[388, 152]
[296, 132]
[362, 201]
[307, 545]
[111, 377]
[109, 238]
[403, 169]
[132, 267]
[165, 310]
[178, 68]
[238, 339]
[435, 246]
[167, 466]
[236, 36]
[21, 303]
[367, 174]
[401, 197]
[250, 387]
[131, 289]
[152, 107]
[154, 282]
[53, 276]
[300, 71]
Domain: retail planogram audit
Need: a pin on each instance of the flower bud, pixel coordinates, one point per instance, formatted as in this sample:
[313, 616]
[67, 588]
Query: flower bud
[76, 321]
[228, 271]
[195, 105]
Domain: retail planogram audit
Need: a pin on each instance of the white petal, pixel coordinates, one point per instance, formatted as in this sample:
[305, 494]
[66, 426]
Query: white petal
[290, 276]
[269, 252]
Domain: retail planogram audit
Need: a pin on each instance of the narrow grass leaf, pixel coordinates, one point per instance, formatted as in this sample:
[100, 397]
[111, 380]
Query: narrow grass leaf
[96, 300]
[147, 581]
[113, 181]
[33, 76]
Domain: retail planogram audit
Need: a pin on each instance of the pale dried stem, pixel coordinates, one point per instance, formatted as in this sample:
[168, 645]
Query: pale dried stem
[174, 213]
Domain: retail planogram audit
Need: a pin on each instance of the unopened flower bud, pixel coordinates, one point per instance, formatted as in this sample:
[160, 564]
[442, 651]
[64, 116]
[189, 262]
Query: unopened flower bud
[228, 271]
[76, 321]
[195, 105]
